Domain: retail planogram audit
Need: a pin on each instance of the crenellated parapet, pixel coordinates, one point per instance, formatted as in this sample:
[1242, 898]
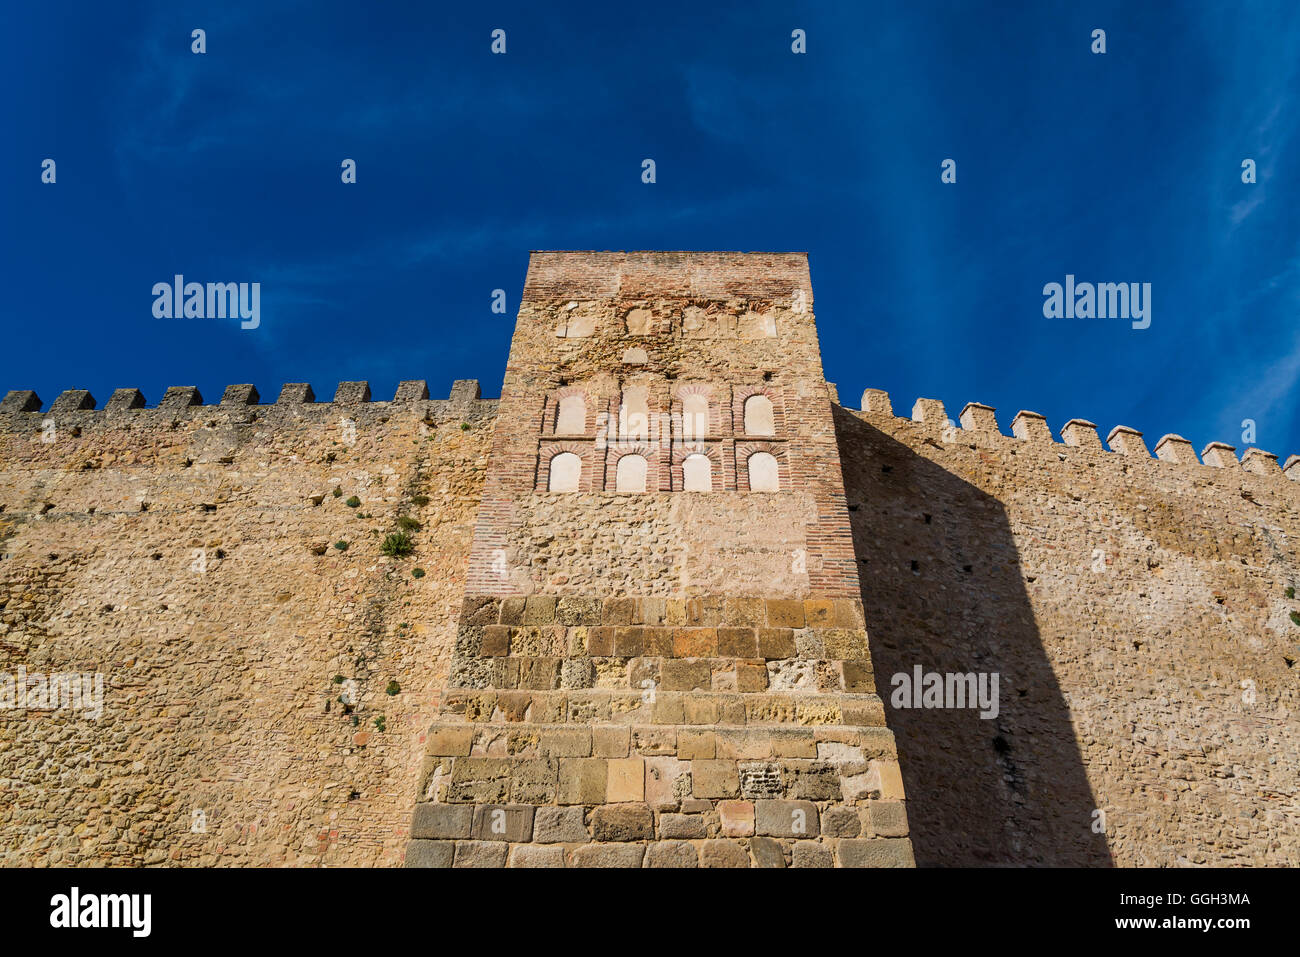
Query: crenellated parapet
[21, 410]
[978, 424]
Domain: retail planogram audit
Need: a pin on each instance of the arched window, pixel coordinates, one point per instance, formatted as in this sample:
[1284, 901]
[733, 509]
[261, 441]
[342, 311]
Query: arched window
[636, 412]
[695, 416]
[630, 474]
[758, 416]
[697, 473]
[763, 473]
[566, 471]
[572, 419]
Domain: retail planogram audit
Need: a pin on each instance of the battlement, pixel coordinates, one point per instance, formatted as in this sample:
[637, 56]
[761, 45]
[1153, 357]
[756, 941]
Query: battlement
[22, 409]
[979, 425]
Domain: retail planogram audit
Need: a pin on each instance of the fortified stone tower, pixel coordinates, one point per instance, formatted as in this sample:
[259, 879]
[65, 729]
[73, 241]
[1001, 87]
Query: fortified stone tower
[662, 658]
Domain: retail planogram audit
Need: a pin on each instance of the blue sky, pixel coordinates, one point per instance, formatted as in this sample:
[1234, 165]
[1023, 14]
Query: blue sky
[226, 167]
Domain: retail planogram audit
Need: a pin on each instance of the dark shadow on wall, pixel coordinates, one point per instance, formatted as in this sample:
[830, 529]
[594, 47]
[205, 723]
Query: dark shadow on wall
[943, 588]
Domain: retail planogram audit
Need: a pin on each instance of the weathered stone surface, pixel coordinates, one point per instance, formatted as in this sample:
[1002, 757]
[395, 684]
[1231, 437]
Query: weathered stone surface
[609, 855]
[767, 852]
[429, 853]
[671, 854]
[876, 852]
[786, 818]
[721, 853]
[811, 854]
[560, 825]
[480, 854]
[622, 822]
[555, 623]
[536, 855]
[441, 821]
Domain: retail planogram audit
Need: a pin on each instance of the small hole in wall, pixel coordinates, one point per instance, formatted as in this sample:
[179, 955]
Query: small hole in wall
[1001, 745]
[89, 511]
[886, 469]
[144, 506]
[968, 568]
[1137, 646]
[220, 553]
[156, 555]
[767, 377]
[46, 507]
[927, 519]
[916, 566]
[563, 382]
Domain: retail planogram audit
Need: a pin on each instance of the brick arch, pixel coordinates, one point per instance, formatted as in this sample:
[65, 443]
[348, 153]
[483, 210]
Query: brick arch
[617, 450]
[712, 452]
[714, 415]
[549, 450]
[776, 449]
[551, 411]
[741, 394]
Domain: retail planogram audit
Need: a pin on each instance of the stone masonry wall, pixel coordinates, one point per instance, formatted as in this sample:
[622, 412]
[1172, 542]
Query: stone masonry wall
[645, 679]
[1138, 610]
[187, 553]
[646, 675]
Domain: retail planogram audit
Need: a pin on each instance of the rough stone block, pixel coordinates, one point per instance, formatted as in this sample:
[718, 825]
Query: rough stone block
[811, 854]
[582, 781]
[841, 822]
[888, 819]
[876, 852]
[609, 855]
[786, 818]
[767, 852]
[671, 854]
[508, 822]
[560, 825]
[737, 818]
[539, 610]
[420, 853]
[688, 827]
[715, 779]
[722, 853]
[441, 821]
[480, 854]
[533, 855]
[623, 822]
[777, 643]
[610, 742]
[626, 780]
